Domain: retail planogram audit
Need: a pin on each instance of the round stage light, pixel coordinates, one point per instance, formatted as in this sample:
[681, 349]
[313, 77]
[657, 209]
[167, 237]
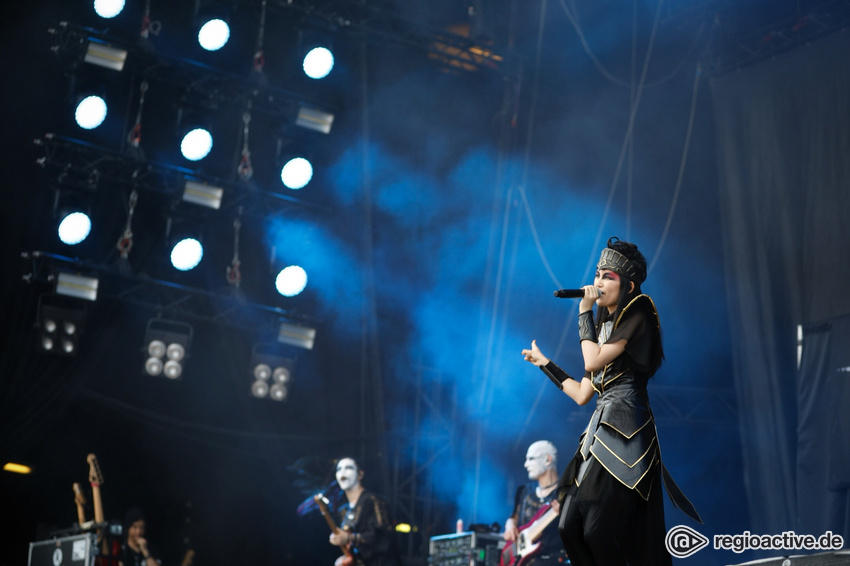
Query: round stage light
[281, 375]
[156, 348]
[74, 228]
[187, 254]
[214, 34]
[90, 112]
[175, 352]
[291, 281]
[196, 144]
[296, 173]
[318, 62]
[262, 371]
[278, 392]
[172, 369]
[153, 366]
[108, 8]
[260, 389]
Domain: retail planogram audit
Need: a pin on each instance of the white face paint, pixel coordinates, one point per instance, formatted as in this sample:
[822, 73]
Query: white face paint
[539, 458]
[347, 474]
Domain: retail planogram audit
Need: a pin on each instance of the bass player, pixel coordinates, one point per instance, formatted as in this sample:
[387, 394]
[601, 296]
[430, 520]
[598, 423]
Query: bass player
[530, 503]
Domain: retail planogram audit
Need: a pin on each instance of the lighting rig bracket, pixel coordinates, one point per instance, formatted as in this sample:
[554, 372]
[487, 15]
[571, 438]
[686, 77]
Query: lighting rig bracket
[175, 300]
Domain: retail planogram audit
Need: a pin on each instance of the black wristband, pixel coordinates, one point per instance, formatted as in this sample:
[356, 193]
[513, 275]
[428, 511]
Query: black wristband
[586, 327]
[555, 374]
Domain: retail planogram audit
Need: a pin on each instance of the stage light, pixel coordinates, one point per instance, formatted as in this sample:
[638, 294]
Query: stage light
[196, 144]
[259, 389]
[291, 281]
[59, 328]
[314, 119]
[202, 194]
[108, 8]
[16, 468]
[296, 173]
[278, 392]
[318, 62]
[214, 34]
[271, 372]
[296, 335]
[90, 112]
[167, 342]
[187, 254]
[77, 286]
[104, 55]
[74, 228]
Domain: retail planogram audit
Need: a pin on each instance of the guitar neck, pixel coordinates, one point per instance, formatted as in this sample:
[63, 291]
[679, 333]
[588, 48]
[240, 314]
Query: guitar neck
[96, 502]
[327, 515]
[535, 529]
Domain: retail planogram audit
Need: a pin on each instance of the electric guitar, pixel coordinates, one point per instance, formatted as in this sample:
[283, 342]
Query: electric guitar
[527, 544]
[80, 500]
[347, 559]
[108, 557]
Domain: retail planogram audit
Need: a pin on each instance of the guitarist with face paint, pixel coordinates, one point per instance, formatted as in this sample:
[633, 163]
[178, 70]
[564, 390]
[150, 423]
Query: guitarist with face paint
[532, 528]
[366, 528]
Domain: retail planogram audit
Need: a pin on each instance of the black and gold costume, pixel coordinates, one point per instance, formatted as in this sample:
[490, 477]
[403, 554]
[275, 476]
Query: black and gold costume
[612, 503]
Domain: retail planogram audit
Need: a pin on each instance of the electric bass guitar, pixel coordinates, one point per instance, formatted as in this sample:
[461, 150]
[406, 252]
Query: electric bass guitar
[527, 543]
[347, 559]
[108, 557]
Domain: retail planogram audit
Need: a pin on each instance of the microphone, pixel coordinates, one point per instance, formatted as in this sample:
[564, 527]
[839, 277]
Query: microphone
[571, 293]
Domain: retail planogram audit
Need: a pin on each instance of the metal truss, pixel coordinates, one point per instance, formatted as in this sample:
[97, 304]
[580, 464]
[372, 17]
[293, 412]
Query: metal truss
[225, 306]
[430, 436]
[782, 35]
[77, 164]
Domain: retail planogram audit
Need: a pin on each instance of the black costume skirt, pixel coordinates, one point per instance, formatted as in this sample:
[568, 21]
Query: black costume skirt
[604, 523]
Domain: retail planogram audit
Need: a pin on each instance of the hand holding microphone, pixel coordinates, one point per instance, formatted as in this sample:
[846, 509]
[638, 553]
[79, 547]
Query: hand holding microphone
[575, 293]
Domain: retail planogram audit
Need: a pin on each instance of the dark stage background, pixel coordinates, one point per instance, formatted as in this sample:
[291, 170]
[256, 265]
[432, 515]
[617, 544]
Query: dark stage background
[450, 199]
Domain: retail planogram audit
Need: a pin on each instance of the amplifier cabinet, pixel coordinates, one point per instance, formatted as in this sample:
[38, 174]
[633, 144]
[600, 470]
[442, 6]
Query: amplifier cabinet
[77, 550]
[465, 549]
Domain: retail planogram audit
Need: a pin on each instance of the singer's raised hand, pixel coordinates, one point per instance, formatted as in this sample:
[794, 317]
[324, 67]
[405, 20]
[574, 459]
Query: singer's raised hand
[534, 355]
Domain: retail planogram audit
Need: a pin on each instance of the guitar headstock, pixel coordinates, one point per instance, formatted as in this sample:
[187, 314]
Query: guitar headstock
[95, 475]
[188, 558]
[79, 498]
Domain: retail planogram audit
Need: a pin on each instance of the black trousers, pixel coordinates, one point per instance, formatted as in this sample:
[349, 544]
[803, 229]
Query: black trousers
[604, 523]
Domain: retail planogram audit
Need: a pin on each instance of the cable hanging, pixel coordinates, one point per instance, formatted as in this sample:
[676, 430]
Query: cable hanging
[149, 27]
[234, 275]
[134, 138]
[244, 169]
[259, 54]
[125, 242]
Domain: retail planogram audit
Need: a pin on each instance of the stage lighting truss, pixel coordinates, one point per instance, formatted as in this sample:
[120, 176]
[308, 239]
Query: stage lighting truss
[59, 326]
[271, 373]
[166, 347]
